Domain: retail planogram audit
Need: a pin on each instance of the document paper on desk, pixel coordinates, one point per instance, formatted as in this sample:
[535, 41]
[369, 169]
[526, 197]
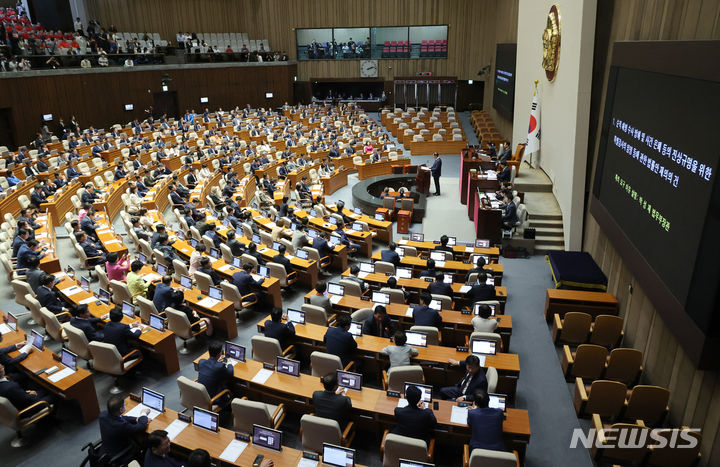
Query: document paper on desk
[4, 329]
[307, 463]
[409, 311]
[71, 290]
[88, 300]
[55, 377]
[465, 289]
[262, 376]
[469, 249]
[135, 412]
[233, 450]
[459, 415]
[208, 302]
[175, 428]
[335, 299]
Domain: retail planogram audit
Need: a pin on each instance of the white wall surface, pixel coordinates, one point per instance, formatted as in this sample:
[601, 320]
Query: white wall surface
[564, 103]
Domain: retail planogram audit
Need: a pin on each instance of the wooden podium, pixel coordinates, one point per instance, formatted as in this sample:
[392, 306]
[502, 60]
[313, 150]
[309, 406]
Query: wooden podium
[422, 180]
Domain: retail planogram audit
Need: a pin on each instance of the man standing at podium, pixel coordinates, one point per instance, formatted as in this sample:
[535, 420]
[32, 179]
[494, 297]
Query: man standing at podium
[436, 170]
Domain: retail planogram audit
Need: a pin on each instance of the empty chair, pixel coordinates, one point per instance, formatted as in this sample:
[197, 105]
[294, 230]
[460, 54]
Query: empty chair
[395, 447]
[178, 323]
[383, 267]
[53, 328]
[445, 301]
[607, 330]
[671, 456]
[395, 378]
[323, 363]
[624, 365]
[77, 342]
[34, 307]
[488, 458]
[120, 292]
[318, 430]
[278, 271]
[647, 403]
[610, 450]
[587, 362]
[267, 349]
[147, 308]
[602, 397]
[194, 394]
[240, 302]
[203, 281]
[361, 315]
[18, 420]
[432, 333]
[573, 328]
[21, 290]
[247, 413]
[351, 288]
[313, 255]
[317, 315]
[107, 359]
[487, 336]
[180, 269]
[102, 277]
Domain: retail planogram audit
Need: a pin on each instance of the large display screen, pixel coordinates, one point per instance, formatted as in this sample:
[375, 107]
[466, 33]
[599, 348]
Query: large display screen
[659, 169]
[655, 193]
[504, 82]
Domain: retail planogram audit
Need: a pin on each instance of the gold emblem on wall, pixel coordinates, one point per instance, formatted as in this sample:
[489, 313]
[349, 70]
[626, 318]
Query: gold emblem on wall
[551, 43]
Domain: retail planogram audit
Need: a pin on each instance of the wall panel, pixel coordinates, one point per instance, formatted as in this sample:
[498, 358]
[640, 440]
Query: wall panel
[98, 98]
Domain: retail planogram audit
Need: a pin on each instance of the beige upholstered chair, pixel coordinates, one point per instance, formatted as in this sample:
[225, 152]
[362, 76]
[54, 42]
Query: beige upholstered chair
[19, 420]
[267, 349]
[53, 328]
[352, 288]
[322, 363]
[315, 431]
[432, 333]
[203, 281]
[180, 325]
[247, 413]
[194, 394]
[34, 307]
[77, 342]
[147, 308]
[395, 447]
[395, 378]
[317, 315]
[487, 458]
[361, 315]
[107, 359]
[278, 271]
[383, 267]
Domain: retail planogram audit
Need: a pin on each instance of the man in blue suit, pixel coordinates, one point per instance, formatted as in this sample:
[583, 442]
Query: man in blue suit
[473, 380]
[414, 420]
[339, 341]
[117, 430]
[245, 283]
[163, 294]
[47, 297]
[486, 424]
[87, 323]
[390, 255]
[118, 334]
[439, 287]
[423, 315]
[276, 329]
[436, 171]
[481, 291]
[321, 245]
[212, 373]
[18, 396]
[503, 174]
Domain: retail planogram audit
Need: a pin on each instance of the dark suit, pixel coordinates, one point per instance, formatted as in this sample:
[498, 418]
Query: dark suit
[17, 395]
[340, 342]
[162, 297]
[213, 275]
[504, 176]
[118, 335]
[414, 422]
[284, 261]
[370, 326]
[440, 288]
[436, 171]
[487, 429]
[245, 283]
[49, 299]
[176, 198]
[333, 406]
[117, 432]
[477, 381]
[236, 248]
[87, 325]
[426, 316]
[280, 331]
[212, 374]
[87, 197]
[322, 246]
[153, 460]
[481, 292]
[428, 273]
[390, 256]
[37, 199]
[449, 249]
[510, 217]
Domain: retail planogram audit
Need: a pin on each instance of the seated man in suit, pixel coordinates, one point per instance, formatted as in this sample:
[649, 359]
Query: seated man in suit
[94, 254]
[245, 282]
[280, 258]
[158, 452]
[332, 403]
[423, 315]
[342, 236]
[276, 329]
[379, 324]
[390, 255]
[320, 243]
[506, 154]
[339, 341]
[118, 431]
[439, 287]
[252, 251]
[27, 251]
[481, 291]
[38, 197]
[473, 380]
[354, 271]
[510, 217]
[430, 271]
[48, 298]
[118, 334]
[321, 299]
[206, 268]
[87, 323]
[414, 420]
[20, 397]
[486, 424]
[163, 291]
[503, 173]
[479, 267]
[213, 373]
[444, 244]
[236, 248]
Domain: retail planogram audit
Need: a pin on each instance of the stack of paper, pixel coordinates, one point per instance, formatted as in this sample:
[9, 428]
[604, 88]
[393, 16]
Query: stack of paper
[233, 450]
[262, 376]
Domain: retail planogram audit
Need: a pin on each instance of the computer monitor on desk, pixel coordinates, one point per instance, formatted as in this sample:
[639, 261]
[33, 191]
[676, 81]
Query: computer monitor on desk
[403, 273]
[417, 237]
[267, 437]
[335, 289]
[347, 379]
[338, 456]
[425, 389]
[415, 338]
[410, 463]
[437, 255]
[382, 298]
[296, 316]
[215, 292]
[235, 351]
[205, 419]
[154, 400]
[68, 359]
[186, 282]
[483, 347]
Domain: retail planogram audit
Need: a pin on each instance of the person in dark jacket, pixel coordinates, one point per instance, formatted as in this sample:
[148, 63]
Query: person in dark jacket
[444, 245]
[379, 324]
[473, 380]
[280, 258]
[118, 333]
[414, 420]
[423, 315]
[87, 323]
[332, 403]
[245, 282]
[439, 287]
[162, 298]
[212, 373]
[206, 268]
[430, 271]
[390, 255]
[276, 329]
[486, 424]
[48, 298]
[339, 341]
[481, 291]
[117, 430]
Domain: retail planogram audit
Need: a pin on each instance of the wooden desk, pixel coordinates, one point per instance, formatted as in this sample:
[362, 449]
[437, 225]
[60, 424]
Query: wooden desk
[364, 239]
[457, 268]
[561, 301]
[160, 345]
[77, 387]
[111, 241]
[372, 408]
[193, 437]
[49, 263]
[60, 202]
[383, 229]
[376, 169]
[334, 182]
[488, 222]
[460, 251]
[479, 182]
[427, 148]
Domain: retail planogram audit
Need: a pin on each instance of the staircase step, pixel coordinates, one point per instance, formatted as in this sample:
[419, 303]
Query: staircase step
[548, 223]
[549, 232]
[542, 216]
[541, 248]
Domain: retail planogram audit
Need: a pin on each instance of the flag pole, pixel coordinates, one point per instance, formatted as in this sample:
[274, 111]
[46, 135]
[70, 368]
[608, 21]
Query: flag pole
[529, 160]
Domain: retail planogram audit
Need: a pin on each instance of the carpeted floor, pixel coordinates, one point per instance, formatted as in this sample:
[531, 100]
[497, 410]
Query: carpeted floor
[541, 388]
